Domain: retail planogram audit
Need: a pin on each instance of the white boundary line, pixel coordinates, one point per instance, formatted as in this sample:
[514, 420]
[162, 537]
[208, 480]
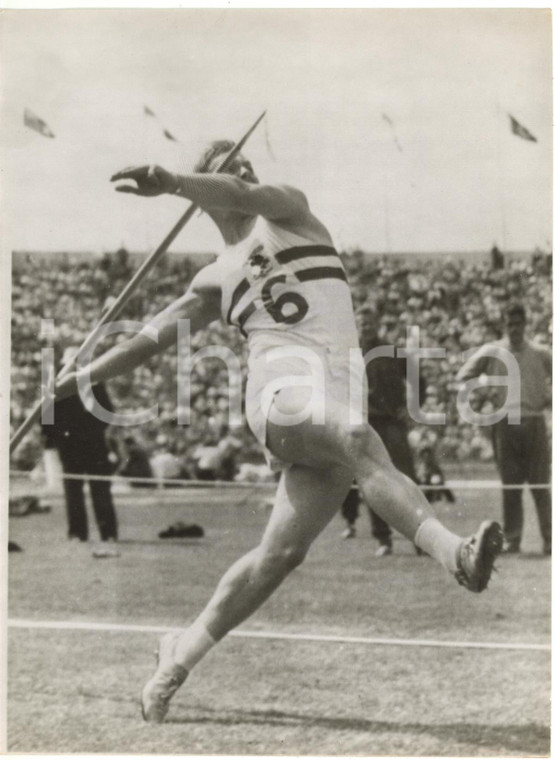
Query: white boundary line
[69, 625]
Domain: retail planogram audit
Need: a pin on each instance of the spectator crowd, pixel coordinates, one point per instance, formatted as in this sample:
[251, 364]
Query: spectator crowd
[456, 303]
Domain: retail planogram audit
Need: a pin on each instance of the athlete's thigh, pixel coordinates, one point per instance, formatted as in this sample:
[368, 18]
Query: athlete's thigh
[319, 442]
[306, 500]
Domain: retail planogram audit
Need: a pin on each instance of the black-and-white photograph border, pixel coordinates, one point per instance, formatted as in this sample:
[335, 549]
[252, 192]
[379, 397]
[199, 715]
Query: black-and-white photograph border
[277, 380]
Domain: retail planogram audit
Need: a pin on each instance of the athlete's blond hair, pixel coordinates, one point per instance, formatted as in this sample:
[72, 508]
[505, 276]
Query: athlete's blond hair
[214, 149]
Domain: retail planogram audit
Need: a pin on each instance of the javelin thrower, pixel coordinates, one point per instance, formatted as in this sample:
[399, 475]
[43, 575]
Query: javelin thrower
[280, 280]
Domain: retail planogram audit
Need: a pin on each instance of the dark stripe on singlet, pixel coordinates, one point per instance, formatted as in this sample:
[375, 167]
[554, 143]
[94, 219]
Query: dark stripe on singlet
[238, 293]
[321, 273]
[303, 275]
[244, 315]
[303, 252]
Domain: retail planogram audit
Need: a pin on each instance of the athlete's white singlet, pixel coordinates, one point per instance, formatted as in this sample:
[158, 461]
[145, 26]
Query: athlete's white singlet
[278, 282]
[284, 291]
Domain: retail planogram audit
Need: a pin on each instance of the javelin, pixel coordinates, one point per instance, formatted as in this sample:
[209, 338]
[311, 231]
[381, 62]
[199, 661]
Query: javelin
[131, 286]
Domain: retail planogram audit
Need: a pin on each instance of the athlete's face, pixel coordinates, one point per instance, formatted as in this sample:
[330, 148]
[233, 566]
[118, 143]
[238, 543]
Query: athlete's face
[240, 166]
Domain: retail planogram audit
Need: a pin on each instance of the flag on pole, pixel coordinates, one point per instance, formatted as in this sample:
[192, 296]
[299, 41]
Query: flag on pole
[520, 131]
[33, 121]
[166, 132]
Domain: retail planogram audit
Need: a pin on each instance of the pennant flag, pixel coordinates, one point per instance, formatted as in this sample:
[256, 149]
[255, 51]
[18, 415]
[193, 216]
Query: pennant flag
[389, 121]
[166, 132]
[520, 131]
[32, 121]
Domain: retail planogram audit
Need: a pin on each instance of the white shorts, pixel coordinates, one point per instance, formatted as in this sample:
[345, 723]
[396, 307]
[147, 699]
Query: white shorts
[334, 374]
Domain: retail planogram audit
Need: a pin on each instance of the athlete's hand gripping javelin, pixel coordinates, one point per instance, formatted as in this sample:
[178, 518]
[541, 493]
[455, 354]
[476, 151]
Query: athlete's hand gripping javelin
[151, 180]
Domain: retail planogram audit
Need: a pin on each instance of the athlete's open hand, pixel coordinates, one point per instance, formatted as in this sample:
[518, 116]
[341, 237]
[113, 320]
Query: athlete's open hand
[150, 180]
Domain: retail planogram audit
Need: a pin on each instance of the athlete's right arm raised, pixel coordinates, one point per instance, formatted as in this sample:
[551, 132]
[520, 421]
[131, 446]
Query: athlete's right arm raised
[213, 191]
[200, 305]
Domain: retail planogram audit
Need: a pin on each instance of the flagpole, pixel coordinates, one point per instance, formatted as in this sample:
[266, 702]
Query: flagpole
[387, 164]
[500, 182]
[387, 229]
[147, 244]
[387, 172]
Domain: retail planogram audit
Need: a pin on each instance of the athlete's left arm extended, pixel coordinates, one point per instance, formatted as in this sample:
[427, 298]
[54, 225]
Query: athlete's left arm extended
[200, 305]
[223, 192]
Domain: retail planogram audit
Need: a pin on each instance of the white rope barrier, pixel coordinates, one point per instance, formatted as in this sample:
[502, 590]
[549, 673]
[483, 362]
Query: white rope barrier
[461, 485]
[177, 482]
[456, 485]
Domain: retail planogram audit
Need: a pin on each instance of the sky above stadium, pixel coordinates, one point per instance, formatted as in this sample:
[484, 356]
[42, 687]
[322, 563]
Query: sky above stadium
[394, 122]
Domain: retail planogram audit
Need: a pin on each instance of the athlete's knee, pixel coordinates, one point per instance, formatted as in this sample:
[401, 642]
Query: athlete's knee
[366, 452]
[290, 556]
[281, 560]
[361, 441]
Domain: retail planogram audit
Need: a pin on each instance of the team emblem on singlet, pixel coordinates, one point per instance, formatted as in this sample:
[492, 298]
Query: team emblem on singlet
[259, 264]
[293, 266]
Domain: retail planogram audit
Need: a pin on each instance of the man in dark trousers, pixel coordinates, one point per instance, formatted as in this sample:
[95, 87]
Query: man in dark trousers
[387, 413]
[79, 436]
[522, 451]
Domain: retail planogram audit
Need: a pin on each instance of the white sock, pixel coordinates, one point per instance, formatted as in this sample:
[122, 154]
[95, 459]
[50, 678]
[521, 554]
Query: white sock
[433, 538]
[192, 645]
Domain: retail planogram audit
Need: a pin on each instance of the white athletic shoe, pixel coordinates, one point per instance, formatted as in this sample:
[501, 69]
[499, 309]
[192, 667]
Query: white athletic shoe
[384, 550]
[105, 550]
[477, 555]
[164, 683]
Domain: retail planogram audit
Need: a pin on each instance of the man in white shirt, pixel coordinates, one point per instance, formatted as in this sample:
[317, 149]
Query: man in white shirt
[522, 451]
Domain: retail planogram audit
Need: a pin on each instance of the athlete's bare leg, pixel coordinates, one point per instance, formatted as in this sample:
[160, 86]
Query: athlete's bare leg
[324, 460]
[396, 498]
[358, 448]
[306, 500]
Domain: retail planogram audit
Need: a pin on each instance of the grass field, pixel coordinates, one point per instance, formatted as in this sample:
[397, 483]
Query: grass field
[76, 690]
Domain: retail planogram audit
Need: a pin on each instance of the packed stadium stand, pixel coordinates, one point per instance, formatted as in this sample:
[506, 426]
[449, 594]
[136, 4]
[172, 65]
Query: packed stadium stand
[456, 301]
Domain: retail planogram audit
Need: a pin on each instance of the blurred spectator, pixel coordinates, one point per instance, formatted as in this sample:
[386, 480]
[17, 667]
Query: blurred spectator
[215, 460]
[429, 473]
[497, 258]
[457, 302]
[135, 463]
[255, 473]
[165, 465]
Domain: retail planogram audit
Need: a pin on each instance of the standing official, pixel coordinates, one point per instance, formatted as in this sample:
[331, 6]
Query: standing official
[522, 451]
[388, 415]
[80, 438]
